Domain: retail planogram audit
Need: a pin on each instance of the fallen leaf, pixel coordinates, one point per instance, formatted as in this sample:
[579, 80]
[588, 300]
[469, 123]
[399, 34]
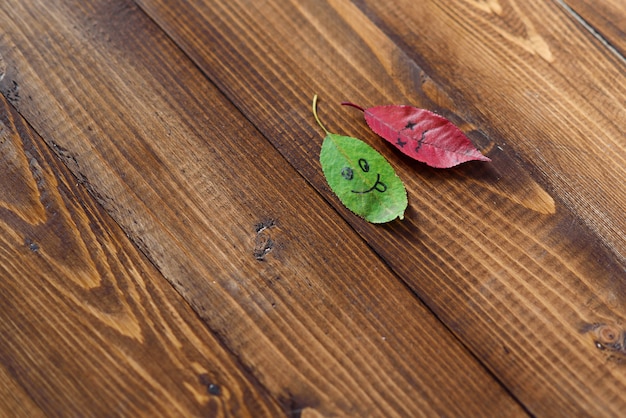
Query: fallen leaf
[362, 178]
[421, 134]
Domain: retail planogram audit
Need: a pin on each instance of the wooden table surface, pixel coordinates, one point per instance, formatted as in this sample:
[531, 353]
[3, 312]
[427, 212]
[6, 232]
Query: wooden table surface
[170, 247]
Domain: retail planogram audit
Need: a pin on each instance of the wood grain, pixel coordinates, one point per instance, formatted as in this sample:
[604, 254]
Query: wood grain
[285, 283]
[522, 258]
[606, 17]
[540, 81]
[89, 327]
[14, 399]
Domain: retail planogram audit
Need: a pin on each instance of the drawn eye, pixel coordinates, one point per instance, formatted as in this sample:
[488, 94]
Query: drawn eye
[364, 165]
[347, 173]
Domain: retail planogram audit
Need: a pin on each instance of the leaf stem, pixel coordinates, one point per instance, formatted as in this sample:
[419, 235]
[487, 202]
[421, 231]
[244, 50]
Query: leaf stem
[315, 114]
[353, 105]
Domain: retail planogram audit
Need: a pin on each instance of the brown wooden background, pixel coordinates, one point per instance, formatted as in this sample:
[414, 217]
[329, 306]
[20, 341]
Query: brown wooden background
[169, 246]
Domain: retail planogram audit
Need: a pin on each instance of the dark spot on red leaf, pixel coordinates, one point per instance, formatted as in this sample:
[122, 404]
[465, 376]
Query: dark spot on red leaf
[421, 141]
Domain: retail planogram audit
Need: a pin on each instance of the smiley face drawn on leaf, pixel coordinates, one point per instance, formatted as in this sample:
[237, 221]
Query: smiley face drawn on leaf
[365, 167]
[361, 177]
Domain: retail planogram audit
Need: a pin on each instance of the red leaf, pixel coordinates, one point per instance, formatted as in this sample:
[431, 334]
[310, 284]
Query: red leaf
[421, 134]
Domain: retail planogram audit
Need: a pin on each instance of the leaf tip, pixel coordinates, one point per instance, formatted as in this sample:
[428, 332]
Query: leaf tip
[479, 156]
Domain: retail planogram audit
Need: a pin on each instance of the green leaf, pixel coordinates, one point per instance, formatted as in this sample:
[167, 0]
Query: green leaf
[362, 178]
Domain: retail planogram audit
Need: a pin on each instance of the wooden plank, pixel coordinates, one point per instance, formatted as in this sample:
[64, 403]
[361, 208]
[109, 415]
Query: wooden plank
[606, 17]
[288, 286]
[14, 400]
[540, 81]
[89, 327]
[522, 257]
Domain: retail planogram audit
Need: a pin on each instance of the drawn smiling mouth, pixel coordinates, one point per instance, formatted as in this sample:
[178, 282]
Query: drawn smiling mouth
[379, 186]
